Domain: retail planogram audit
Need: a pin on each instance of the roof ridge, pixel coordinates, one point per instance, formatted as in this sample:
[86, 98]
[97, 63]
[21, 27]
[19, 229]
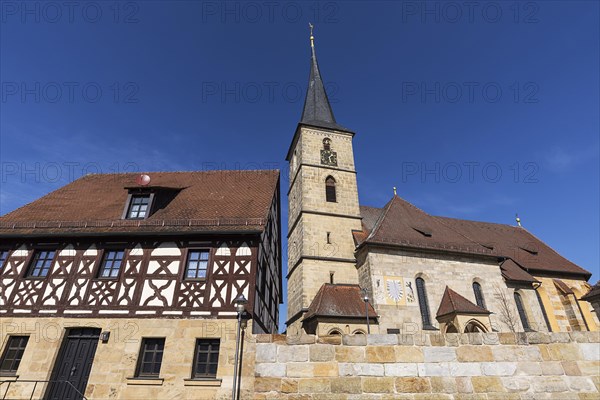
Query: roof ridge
[477, 222]
[198, 171]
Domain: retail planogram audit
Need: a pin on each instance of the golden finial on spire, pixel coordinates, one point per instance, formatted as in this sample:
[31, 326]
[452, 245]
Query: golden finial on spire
[312, 38]
[394, 190]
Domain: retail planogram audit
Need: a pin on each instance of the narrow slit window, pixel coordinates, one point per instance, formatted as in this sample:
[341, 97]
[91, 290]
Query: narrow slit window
[522, 313]
[330, 192]
[423, 304]
[478, 295]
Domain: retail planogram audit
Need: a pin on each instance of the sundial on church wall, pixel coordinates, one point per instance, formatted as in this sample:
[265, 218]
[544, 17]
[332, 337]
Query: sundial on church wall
[394, 290]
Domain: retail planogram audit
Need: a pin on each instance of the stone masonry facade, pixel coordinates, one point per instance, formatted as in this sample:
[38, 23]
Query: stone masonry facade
[427, 366]
[320, 238]
[113, 370]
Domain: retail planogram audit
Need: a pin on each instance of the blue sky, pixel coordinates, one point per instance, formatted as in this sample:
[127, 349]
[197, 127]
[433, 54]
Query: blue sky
[473, 111]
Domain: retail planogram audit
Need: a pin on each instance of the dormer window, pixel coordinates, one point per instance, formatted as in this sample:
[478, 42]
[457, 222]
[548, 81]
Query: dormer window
[139, 206]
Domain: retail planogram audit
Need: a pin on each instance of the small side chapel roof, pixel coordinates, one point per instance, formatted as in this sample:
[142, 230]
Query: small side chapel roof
[339, 300]
[454, 303]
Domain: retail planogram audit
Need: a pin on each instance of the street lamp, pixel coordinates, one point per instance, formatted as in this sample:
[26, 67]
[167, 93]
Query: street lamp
[240, 306]
[366, 300]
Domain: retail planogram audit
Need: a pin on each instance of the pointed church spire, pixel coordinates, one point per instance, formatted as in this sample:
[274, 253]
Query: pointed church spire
[317, 110]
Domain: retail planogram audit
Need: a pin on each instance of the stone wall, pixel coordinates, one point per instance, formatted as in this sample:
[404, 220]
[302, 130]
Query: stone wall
[563, 312]
[115, 362]
[429, 366]
[440, 271]
[319, 229]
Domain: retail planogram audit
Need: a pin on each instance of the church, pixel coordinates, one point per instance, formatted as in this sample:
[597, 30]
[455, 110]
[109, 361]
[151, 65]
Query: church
[354, 269]
[129, 286]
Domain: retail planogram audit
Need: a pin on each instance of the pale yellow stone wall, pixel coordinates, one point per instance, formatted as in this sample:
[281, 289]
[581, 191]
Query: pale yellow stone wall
[429, 366]
[115, 361]
[562, 310]
[311, 143]
[309, 223]
[440, 271]
[314, 238]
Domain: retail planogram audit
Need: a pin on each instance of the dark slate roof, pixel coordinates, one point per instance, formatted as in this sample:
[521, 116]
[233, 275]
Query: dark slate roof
[593, 293]
[207, 201]
[400, 223]
[317, 110]
[454, 303]
[339, 300]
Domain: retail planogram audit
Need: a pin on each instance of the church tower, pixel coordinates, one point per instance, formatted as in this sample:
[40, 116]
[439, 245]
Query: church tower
[322, 200]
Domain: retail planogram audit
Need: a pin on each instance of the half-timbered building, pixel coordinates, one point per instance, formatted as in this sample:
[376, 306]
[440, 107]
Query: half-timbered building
[122, 285]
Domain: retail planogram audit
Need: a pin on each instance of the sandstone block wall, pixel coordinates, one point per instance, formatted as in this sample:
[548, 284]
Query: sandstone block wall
[458, 273]
[115, 362]
[429, 366]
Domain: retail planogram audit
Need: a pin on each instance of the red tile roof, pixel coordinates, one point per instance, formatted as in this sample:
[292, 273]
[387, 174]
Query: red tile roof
[339, 300]
[512, 272]
[563, 287]
[203, 201]
[402, 224]
[454, 303]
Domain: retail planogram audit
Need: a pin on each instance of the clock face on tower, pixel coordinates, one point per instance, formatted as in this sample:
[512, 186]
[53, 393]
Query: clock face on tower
[329, 157]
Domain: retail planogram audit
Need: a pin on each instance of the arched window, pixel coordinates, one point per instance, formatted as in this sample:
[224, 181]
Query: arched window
[521, 310]
[358, 332]
[334, 332]
[474, 326]
[478, 294]
[423, 303]
[330, 194]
